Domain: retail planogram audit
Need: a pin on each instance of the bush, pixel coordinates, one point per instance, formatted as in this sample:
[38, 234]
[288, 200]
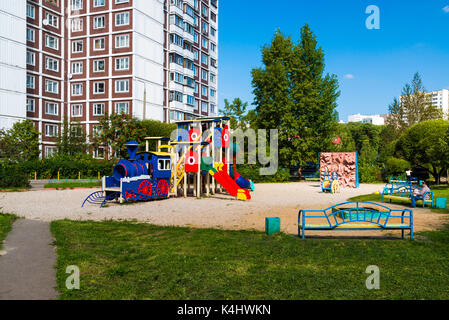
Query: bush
[369, 173]
[11, 176]
[252, 172]
[396, 167]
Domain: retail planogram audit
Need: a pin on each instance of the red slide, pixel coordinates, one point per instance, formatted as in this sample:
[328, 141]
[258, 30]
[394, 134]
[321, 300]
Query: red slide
[231, 186]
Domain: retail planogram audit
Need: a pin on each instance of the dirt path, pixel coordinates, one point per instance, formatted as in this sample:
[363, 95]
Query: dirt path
[27, 263]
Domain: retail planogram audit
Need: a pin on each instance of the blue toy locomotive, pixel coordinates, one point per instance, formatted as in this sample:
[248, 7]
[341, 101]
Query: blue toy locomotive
[145, 176]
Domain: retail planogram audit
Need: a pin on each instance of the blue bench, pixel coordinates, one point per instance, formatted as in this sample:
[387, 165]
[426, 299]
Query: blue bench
[355, 216]
[312, 176]
[406, 192]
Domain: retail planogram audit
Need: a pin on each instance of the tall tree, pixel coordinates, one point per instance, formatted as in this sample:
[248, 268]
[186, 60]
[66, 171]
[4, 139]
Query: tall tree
[71, 139]
[293, 95]
[414, 106]
[237, 111]
[20, 143]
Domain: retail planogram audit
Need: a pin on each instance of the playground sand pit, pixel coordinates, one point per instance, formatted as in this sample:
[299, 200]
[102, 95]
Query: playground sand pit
[269, 200]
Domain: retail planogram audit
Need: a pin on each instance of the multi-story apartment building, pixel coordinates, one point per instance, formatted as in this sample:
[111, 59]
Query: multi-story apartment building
[378, 120]
[153, 59]
[441, 99]
[12, 63]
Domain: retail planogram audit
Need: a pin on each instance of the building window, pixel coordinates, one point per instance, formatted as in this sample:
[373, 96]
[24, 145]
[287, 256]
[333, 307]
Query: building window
[51, 86]
[99, 3]
[30, 82]
[122, 86]
[212, 108]
[77, 89]
[31, 11]
[31, 58]
[52, 20]
[122, 19]
[121, 1]
[122, 107]
[122, 41]
[99, 88]
[77, 110]
[204, 107]
[77, 25]
[99, 22]
[51, 42]
[121, 64]
[51, 130]
[98, 109]
[99, 44]
[51, 108]
[77, 5]
[50, 151]
[31, 105]
[99, 66]
[77, 46]
[99, 153]
[51, 64]
[77, 68]
[204, 91]
[30, 35]
[176, 96]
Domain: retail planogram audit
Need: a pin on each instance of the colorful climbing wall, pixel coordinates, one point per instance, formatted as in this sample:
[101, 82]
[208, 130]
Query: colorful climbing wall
[345, 164]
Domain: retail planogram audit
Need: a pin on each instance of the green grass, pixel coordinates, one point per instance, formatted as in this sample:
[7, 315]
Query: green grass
[71, 185]
[124, 260]
[6, 221]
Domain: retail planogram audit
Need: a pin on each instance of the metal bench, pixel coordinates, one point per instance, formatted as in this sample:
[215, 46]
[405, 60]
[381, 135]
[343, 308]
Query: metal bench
[405, 192]
[355, 216]
[312, 177]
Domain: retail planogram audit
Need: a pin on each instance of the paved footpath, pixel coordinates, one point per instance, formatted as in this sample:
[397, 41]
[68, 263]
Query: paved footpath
[27, 263]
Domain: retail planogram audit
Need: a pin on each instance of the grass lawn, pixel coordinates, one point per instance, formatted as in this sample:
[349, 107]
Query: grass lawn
[6, 221]
[441, 191]
[71, 185]
[124, 260]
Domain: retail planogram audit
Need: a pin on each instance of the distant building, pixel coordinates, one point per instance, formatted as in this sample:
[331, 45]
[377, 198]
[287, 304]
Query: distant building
[378, 120]
[439, 99]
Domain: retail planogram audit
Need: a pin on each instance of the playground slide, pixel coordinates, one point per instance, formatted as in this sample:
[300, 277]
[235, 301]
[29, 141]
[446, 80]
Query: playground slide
[221, 176]
[242, 182]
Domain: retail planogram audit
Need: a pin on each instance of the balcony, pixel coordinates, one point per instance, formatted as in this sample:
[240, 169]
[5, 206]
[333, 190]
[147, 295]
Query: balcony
[175, 9]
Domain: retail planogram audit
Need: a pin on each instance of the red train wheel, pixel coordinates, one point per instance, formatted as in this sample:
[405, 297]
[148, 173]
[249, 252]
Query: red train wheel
[129, 196]
[162, 188]
[146, 189]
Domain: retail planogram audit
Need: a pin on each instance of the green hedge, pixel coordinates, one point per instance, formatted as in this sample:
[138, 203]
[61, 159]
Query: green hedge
[252, 172]
[11, 176]
[49, 168]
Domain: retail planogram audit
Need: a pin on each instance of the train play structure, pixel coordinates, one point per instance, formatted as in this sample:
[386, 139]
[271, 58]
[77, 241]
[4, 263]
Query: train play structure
[199, 162]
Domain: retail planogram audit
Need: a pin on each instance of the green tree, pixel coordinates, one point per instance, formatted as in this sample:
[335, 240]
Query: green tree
[71, 139]
[293, 95]
[415, 106]
[422, 145]
[115, 130]
[20, 143]
[237, 111]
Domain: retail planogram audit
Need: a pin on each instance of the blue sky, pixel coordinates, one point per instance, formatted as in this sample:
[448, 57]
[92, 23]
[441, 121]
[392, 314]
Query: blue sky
[372, 65]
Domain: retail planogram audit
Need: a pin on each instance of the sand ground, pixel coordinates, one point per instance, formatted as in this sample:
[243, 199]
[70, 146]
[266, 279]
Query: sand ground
[269, 200]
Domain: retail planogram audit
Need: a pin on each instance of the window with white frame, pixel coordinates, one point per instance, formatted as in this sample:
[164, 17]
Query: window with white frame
[98, 109]
[77, 25]
[99, 44]
[164, 164]
[51, 64]
[99, 88]
[51, 86]
[31, 105]
[121, 1]
[121, 86]
[122, 41]
[99, 22]
[77, 89]
[51, 108]
[121, 19]
[50, 151]
[204, 107]
[51, 130]
[52, 20]
[76, 131]
[31, 58]
[77, 5]
[122, 64]
[30, 82]
[77, 67]
[99, 65]
[122, 107]
[31, 11]
[77, 110]
[30, 35]
[99, 153]
[99, 3]
[77, 46]
[51, 42]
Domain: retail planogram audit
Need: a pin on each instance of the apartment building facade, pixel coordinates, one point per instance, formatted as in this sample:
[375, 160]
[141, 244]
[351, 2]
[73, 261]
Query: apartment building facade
[12, 63]
[153, 59]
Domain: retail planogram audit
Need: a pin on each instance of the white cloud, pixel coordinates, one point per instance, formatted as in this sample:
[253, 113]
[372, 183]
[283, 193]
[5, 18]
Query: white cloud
[446, 9]
[349, 76]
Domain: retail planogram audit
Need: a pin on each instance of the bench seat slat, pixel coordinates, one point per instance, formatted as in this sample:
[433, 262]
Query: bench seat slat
[356, 226]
